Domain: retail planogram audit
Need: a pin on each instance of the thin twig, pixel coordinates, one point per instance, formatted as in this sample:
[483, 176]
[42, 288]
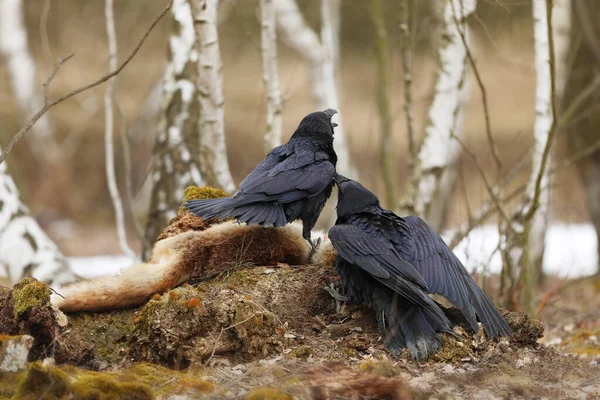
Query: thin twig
[486, 112]
[109, 150]
[489, 188]
[216, 341]
[49, 104]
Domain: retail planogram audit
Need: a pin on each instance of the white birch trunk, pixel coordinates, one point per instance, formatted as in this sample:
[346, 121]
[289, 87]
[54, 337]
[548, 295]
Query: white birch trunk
[109, 150]
[323, 56]
[435, 166]
[213, 151]
[330, 37]
[190, 148]
[25, 250]
[297, 35]
[22, 70]
[270, 74]
[561, 19]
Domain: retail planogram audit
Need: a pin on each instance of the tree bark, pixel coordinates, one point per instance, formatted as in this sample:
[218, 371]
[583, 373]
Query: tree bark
[270, 74]
[190, 148]
[516, 246]
[387, 155]
[434, 172]
[25, 250]
[561, 31]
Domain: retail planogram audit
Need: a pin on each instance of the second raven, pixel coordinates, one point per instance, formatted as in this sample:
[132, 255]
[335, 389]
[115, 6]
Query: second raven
[293, 181]
[394, 263]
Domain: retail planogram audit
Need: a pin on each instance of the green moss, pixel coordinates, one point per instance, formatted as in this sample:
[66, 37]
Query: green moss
[302, 352]
[167, 381]
[103, 332]
[452, 350]
[269, 393]
[40, 382]
[200, 193]
[30, 293]
[381, 368]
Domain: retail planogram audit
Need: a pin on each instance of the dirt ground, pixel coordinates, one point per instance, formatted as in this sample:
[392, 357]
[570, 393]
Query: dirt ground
[274, 332]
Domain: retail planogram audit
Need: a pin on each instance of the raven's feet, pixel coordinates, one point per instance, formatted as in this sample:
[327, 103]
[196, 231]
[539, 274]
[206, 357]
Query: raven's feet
[339, 298]
[313, 247]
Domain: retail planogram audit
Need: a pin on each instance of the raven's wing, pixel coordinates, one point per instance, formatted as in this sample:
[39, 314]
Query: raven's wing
[287, 176]
[379, 259]
[418, 243]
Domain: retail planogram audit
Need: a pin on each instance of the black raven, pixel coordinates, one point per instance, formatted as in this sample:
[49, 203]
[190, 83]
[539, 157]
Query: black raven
[293, 181]
[393, 263]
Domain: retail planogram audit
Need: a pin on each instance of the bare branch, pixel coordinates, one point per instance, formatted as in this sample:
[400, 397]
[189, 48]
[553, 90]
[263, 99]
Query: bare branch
[49, 104]
[491, 191]
[486, 112]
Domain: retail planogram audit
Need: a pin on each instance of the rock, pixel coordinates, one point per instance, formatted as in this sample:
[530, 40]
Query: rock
[14, 351]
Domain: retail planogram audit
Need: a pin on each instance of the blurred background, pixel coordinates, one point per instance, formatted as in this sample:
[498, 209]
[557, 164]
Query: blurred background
[69, 197]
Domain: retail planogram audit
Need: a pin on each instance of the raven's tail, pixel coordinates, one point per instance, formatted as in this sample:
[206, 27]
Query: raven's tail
[207, 208]
[494, 324]
[266, 214]
[406, 325]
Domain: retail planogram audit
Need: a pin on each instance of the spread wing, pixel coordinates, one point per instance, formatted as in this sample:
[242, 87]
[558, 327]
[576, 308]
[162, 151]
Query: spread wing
[378, 258]
[418, 243]
[287, 176]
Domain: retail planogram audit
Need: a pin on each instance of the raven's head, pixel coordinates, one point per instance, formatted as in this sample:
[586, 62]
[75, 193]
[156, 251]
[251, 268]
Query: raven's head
[352, 196]
[317, 123]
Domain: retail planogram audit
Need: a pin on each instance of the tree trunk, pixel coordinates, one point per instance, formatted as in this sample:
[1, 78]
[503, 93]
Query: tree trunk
[582, 131]
[434, 172]
[561, 31]
[270, 74]
[190, 148]
[387, 155]
[25, 250]
[516, 244]
[323, 56]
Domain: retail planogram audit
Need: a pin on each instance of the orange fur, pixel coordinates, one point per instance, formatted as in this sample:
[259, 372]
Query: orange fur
[191, 255]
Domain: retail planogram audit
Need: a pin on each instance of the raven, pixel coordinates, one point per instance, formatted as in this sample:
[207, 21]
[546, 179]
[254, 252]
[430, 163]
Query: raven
[293, 181]
[393, 263]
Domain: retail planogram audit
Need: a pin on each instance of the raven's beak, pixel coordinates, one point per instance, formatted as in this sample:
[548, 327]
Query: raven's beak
[334, 124]
[330, 112]
[337, 178]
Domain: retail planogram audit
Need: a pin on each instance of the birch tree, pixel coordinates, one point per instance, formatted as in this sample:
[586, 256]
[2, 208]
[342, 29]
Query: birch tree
[270, 74]
[22, 70]
[25, 250]
[322, 52]
[516, 241]
[434, 170]
[190, 148]
[561, 23]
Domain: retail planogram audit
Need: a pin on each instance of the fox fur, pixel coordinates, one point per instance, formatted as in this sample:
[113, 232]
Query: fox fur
[191, 256]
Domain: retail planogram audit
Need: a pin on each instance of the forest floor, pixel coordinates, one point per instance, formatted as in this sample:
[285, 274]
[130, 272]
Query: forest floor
[274, 332]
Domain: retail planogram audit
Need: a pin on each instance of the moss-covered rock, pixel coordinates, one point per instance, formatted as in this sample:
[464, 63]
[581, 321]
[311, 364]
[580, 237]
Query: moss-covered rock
[26, 310]
[185, 221]
[29, 293]
[526, 330]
